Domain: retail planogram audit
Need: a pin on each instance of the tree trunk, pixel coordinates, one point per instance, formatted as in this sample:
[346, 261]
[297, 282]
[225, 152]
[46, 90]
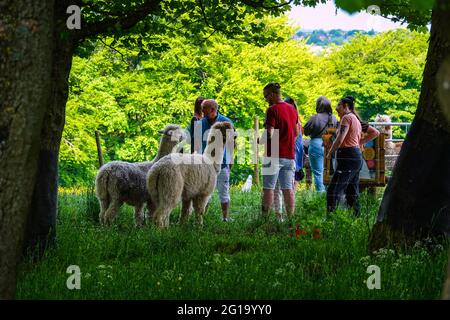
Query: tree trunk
[416, 203]
[41, 226]
[446, 291]
[25, 86]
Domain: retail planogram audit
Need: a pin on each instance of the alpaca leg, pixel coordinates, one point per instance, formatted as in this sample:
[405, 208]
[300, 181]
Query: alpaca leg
[112, 211]
[104, 204]
[151, 210]
[162, 217]
[185, 208]
[139, 215]
[199, 208]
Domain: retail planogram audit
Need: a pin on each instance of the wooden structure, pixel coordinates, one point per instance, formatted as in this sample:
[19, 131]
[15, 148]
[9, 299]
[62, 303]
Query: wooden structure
[373, 173]
[256, 151]
[99, 149]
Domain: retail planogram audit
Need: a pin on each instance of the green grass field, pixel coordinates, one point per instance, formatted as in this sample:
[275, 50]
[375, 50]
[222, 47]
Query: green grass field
[246, 259]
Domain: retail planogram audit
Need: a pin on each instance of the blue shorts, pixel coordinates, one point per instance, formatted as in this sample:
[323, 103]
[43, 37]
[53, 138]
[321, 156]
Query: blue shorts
[281, 169]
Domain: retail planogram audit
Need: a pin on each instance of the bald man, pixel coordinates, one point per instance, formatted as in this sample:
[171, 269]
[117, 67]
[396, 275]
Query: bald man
[211, 115]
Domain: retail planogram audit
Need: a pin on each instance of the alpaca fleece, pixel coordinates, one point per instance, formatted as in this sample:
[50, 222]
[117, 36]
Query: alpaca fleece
[188, 178]
[121, 182]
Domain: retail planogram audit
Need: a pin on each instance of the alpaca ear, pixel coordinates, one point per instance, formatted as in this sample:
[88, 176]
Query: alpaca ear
[161, 131]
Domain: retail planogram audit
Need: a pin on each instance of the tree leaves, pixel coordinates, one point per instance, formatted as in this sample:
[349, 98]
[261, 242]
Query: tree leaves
[128, 105]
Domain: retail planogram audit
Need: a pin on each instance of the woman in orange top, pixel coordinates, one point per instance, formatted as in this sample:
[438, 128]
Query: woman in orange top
[348, 155]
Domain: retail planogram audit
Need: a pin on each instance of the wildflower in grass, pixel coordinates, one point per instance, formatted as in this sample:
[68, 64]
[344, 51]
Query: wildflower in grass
[290, 265]
[316, 233]
[299, 232]
[365, 261]
[279, 271]
[216, 258]
[396, 265]
[168, 274]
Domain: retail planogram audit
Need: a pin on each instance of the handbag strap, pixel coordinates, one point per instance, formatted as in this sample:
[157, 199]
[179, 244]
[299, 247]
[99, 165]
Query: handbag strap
[327, 125]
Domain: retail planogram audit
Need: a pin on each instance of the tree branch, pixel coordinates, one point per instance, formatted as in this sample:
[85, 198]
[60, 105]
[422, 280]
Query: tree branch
[260, 4]
[114, 49]
[126, 21]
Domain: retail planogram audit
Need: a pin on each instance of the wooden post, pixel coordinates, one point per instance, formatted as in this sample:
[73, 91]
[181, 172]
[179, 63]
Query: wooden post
[99, 149]
[255, 156]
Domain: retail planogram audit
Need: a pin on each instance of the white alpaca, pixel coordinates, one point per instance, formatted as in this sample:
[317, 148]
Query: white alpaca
[387, 130]
[119, 182]
[188, 178]
[391, 148]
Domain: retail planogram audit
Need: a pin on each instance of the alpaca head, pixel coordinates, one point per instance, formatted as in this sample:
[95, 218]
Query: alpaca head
[223, 130]
[384, 129]
[173, 133]
[220, 136]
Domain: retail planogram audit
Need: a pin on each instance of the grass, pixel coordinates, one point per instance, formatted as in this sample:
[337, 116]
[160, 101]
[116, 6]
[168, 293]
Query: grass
[245, 259]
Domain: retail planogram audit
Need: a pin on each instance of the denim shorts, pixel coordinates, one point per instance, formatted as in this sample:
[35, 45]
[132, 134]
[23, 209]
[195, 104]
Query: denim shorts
[223, 184]
[281, 169]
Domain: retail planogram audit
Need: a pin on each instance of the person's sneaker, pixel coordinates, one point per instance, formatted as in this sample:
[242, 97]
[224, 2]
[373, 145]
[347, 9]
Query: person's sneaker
[227, 219]
[280, 219]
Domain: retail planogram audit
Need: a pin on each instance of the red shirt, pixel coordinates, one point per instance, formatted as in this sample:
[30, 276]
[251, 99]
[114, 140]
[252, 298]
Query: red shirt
[284, 117]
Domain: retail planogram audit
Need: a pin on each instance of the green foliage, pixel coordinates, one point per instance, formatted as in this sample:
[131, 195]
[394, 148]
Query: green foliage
[384, 73]
[245, 259]
[129, 96]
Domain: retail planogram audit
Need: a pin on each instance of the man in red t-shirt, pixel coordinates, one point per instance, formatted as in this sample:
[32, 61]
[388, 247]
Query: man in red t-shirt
[282, 128]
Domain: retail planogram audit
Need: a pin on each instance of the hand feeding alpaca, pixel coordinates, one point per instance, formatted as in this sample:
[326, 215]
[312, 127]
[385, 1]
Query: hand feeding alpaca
[188, 177]
[121, 182]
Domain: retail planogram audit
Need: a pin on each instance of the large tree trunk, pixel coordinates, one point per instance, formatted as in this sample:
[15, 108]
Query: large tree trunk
[446, 291]
[41, 226]
[416, 202]
[25, 87]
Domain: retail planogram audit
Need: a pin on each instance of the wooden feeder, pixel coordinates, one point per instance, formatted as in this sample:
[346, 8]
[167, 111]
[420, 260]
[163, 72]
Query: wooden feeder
[373, 172]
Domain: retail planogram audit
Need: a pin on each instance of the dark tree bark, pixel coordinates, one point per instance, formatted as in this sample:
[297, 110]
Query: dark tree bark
[25, 56]
[446, 290]
[416, 203]
[41, 224]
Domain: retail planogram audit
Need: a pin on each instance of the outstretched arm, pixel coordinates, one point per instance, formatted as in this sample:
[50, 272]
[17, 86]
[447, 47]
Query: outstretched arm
[371, 134]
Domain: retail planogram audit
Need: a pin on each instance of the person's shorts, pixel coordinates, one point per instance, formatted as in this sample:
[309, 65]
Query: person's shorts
[281, 169]
[223, 184]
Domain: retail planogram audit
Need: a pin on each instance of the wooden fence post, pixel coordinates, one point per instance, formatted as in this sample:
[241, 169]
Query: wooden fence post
[99, 149]
[256, 149]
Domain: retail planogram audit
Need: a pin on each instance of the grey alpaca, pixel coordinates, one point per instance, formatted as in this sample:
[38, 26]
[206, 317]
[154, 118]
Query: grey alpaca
[188, 178]
[119, 182]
